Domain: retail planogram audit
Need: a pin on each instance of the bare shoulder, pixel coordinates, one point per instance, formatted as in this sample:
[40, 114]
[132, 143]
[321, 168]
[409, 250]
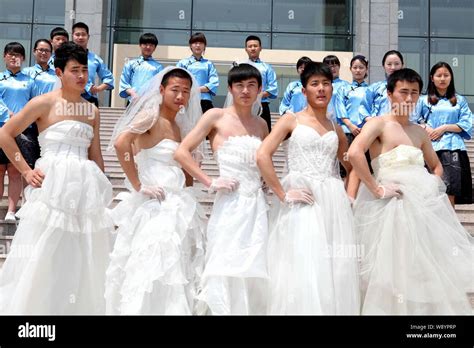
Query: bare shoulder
[262, 125]
[213, 114]
[287, 120]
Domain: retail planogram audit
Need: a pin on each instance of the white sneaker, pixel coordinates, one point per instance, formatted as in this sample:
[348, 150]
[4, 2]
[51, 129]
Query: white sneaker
[10, 217]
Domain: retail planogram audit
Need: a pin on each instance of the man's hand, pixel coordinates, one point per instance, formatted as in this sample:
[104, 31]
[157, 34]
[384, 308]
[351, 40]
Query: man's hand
[294, 196]
[221, 184]
[155, 192]
[34, 177]
[388, 191]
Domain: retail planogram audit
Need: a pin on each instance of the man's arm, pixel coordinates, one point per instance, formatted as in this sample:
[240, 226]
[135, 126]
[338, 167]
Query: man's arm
[17, 124]
[264, 154]
[356, 153]
[430, 156]
[95, 153]
[183, 155]
[213, 80]
[105, 76]
[125, 87]
[271, 89]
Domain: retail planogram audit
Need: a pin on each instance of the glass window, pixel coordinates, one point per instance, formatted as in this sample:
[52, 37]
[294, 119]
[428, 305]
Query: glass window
[312, 42]
[312, 16]
[415, 54]
[165, 36]
[413, 17]
[49, 11]
[459, 53]
[173, 14]
[234, 39]
[452, 18]
[16, 11]
[242, 15]
[15, 32]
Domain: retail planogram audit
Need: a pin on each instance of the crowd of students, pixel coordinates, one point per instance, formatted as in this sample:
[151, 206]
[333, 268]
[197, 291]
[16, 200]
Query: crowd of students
[293, 257]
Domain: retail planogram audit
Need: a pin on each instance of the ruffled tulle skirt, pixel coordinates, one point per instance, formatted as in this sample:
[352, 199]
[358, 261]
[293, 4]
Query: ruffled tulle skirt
[418, 258]
[158, 254]
[59, 254]
[235, 276]
[312, 252]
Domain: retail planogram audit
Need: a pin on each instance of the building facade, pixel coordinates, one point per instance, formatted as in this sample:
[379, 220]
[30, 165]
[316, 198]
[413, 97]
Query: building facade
[425, 31]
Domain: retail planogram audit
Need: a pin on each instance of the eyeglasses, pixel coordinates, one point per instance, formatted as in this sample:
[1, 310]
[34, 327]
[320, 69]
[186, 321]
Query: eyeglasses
[42, 50]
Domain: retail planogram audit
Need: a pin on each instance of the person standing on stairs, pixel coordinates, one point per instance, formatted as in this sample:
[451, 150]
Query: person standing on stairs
[253, 48]
[202, 69]
[16, 89]
[60, 251]
[138, 72]
[418, 258]
[95, 64]
[235, 275]
[446, 117]
[293, 99]
[158, 255]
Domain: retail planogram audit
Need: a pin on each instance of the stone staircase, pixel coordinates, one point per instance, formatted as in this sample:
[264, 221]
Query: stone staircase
[116, 176]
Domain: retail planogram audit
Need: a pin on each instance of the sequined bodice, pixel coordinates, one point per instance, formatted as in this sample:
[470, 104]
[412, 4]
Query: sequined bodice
[68, 138]
[312, 154]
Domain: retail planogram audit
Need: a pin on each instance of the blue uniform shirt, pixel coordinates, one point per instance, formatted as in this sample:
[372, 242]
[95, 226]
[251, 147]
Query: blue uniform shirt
[347, 102]
[376, 101]
[204, 72]
[51, 61]
[293, 98]
[444, 113]
[136, 73]
[97, 67]
[269, 79]
[44, 80]
[15, 91]
[336, 85]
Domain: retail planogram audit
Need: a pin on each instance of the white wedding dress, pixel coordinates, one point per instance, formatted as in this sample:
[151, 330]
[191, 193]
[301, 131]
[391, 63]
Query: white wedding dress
[158, 255]
[418, 258]
[312, 252]
[59, 254]
[235, 274]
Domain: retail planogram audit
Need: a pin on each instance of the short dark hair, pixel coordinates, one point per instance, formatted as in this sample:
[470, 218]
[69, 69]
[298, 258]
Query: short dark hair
[198, 37]
[408, 75]
[242, 72]
[315, 69]
[253, 38]
[69, 51]
[148, 38]
[37, 42]
[361, 59]
[80, 25]
[389, 53]
[14, 47]
[177, 72]
[331, 59]
[433, 95]
[58, 31]
[302, 61]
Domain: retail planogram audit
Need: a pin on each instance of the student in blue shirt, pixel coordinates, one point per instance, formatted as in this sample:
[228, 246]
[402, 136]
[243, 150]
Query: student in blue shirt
[16, 89]
[376, 102]
[448, 121]
[43, 75]
[95, 64]
[202, 69]
[253, 47]
[335, 65]
[346, 107]
[58, 36]
[137, 72]
[293, 99]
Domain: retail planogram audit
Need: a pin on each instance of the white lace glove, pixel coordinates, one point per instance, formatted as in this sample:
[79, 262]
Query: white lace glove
[298, 196]
[155, 192]
[221, 184]
[390, 190]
